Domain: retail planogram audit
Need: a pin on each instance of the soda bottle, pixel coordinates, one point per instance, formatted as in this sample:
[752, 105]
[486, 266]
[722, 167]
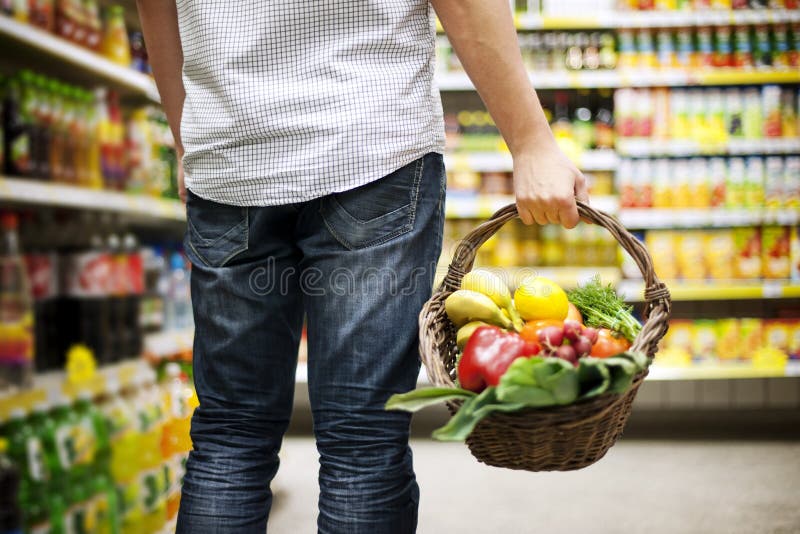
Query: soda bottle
[134, 277]
[18, 127]
[139, 53]
[87, 285]
[26, 449]
[115, 45]
[10, 513]
[16, 309]
[94, 424]
[179, 303]
[117, 294]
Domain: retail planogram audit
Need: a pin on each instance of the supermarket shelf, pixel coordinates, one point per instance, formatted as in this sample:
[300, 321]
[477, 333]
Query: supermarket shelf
[457, 81]
[85, 60]
[169, 344]
[651, 219]
[656, 19]
[21, 191]
[639, 148]
[48, 386]
[475, 206]
[632, 290]
[590, 160]
[722, 372]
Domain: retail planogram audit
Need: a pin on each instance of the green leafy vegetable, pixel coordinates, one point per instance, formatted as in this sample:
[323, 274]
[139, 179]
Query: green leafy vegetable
[601, 307]
[417, 399]
[464, 421]
[593, 376]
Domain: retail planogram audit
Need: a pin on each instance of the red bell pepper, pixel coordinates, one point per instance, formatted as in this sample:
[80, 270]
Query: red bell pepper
[488, 355]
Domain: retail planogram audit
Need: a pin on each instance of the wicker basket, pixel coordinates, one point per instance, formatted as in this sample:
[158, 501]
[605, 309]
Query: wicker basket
[560, 438]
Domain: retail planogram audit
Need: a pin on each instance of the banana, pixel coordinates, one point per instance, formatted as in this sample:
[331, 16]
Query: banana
[464, 306]
[491, 285]
[466, 331]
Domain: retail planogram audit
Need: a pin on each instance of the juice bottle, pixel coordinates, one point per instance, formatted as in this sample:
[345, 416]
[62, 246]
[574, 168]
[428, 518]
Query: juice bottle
[18, 127]
[16, 309]
[723, 56]
[21, 11]
[152, 499]
[70, 133]
[92, 420]
[43, 117]
[115, 45]
[104, 137]
[93, 26]
[67, 18]
[94, 172]
[127, 459]
[42, 14]
[762, 46]
[57, 133]
[10, 512]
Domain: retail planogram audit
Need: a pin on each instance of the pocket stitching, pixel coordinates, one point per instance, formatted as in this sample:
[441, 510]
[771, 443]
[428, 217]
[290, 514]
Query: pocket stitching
[207, 243]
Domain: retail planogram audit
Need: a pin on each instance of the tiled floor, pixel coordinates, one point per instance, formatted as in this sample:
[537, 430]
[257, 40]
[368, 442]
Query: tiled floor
[650, 487]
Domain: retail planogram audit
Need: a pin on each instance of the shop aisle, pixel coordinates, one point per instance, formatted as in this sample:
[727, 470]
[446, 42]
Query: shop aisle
[651, 487]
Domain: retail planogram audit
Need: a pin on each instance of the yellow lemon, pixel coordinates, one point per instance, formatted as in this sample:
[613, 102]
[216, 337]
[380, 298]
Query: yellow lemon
[541, 298]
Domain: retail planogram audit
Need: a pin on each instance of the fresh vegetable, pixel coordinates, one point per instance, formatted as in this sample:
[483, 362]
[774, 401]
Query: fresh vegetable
[574, 314]
[530, 332]
[535, 382]
[609, 344]
[603, 308]
[488, 354]
[491, 285]
[464, 306]
[466, 331]
[541, 298]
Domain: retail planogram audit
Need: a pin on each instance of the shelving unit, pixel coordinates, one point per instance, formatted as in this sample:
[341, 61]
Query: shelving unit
[633, 290]
[458, 81]
[656, 19]
[36, 193]
[47, 385]
[78, 61]
[642, 148]
[651, 219]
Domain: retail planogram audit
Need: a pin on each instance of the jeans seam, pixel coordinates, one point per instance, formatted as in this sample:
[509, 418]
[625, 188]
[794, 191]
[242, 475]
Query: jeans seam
[233, 253]
[418, 172]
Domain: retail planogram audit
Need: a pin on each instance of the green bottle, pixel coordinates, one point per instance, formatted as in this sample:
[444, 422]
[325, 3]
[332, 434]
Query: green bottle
[105, 508]
[92, 419]
[27, 450]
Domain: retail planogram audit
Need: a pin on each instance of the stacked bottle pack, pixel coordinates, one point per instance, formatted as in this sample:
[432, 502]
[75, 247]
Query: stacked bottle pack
[114, 466]
[56, 132]
[82, 280]
[709, 116]
[80, 22]
[732, 339]
[518, 245]
[753, 183]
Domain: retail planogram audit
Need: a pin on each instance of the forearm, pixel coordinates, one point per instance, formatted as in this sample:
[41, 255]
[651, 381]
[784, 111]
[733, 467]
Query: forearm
[484, 38]
[160, 28]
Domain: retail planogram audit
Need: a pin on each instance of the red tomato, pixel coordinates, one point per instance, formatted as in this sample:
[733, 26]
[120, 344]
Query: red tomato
[608, 344]
[530, 332]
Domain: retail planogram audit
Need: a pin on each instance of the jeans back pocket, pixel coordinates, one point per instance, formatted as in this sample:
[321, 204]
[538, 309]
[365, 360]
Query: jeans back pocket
[376, 212]
[216, 233]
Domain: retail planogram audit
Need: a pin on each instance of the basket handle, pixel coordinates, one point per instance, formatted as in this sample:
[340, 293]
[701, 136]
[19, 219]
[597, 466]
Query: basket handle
[656, 294]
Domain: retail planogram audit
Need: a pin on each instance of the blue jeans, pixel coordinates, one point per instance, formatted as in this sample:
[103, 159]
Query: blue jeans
[359, 265]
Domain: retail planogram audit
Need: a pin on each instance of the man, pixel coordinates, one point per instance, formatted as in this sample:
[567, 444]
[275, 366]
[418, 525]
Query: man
[311, 136]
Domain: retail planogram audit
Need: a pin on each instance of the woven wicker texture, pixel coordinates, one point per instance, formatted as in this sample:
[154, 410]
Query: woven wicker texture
[561, 438]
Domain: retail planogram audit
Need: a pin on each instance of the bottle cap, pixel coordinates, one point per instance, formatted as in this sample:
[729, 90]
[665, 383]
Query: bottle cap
[176, 261]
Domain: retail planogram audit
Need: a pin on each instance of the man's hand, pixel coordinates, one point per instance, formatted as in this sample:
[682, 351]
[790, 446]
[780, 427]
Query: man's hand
[546, 184]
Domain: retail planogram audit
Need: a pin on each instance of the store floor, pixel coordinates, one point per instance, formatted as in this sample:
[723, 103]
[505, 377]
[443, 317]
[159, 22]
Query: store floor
[650, 487]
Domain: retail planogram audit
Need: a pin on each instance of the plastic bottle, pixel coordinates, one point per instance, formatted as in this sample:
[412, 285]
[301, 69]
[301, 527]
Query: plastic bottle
[94, 172]
[16, 309]
[26, 449]
[123, 416]
[134, 277]
[179, 303]
[92, 24]
[116, 297]
[139, 53]
[152, 500]
[116, 45]
[92, 421]
[18, 129]
[42, 118]
[10, 513]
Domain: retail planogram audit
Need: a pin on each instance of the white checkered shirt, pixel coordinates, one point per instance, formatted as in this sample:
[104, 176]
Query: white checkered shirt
[290, 100]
